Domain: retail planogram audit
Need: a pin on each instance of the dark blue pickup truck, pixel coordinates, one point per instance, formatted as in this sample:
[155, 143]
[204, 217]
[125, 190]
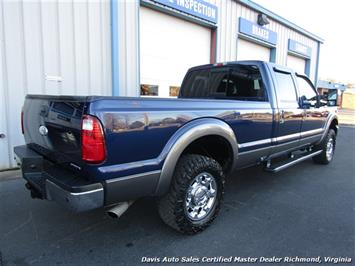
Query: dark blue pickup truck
[95, 151]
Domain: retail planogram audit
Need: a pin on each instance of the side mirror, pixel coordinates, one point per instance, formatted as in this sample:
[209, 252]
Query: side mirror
[323, 97]
[323, 100]
[304, 103]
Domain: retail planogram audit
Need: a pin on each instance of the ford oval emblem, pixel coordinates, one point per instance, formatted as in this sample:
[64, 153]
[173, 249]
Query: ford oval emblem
[43, 130]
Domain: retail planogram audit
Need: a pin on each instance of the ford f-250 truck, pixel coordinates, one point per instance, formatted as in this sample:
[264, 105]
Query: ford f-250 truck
[95, 151]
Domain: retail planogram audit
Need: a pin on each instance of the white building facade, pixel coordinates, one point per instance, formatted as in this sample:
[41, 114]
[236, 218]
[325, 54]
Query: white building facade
[131, 48]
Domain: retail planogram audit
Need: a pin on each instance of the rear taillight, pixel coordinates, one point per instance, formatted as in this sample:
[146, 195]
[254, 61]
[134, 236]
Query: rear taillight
[22, 127]
[92, 140]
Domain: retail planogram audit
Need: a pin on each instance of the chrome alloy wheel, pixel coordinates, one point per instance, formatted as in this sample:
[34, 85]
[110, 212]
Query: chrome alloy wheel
[330, 149]
[201, 196]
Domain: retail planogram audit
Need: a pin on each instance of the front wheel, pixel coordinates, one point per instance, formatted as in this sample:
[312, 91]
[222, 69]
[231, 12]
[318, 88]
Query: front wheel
[327, 146]
[195, 195]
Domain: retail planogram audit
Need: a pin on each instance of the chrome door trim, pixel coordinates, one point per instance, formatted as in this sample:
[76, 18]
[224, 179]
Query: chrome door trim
[254, 143]
[311, 132]
[282, 138]
[286, 137]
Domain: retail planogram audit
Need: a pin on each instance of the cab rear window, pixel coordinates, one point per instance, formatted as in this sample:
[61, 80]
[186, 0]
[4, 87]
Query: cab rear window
[239, 82]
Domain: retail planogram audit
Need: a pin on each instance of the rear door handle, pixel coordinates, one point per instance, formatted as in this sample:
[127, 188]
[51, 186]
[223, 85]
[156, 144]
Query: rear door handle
[2, 136]
[282, 117]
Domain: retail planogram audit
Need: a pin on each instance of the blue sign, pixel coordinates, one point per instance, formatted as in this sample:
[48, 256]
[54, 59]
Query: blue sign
[258, 32]
[299, 48]
[197, 8]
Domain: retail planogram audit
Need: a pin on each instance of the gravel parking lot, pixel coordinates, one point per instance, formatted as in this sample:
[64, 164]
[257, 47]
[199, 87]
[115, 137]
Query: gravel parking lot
[307, 211]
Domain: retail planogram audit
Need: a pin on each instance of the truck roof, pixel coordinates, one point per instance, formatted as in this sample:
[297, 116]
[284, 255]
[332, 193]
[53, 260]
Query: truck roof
[244, 62]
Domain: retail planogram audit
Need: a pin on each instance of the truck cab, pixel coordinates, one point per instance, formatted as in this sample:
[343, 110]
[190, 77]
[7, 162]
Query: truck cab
[286, 106]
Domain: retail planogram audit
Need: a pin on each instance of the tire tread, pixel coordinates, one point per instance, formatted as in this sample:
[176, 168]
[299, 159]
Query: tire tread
[170, 206]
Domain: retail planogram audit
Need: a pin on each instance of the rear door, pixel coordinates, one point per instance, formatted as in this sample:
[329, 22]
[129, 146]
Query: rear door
[290, 115]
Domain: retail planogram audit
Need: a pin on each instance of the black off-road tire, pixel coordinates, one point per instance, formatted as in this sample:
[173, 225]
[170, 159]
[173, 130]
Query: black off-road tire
[322, 158]
[171, 207]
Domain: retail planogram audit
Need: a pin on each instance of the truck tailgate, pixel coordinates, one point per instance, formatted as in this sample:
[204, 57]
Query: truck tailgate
[52, 126]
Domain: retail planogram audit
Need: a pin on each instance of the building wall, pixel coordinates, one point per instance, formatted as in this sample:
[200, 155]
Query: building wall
[125, 45]
[229, 13]
[50, 47]
[348, 101]
[127, 42]
[227, 35]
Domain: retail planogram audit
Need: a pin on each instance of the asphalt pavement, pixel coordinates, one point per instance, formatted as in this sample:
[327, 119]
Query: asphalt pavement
[307, 210]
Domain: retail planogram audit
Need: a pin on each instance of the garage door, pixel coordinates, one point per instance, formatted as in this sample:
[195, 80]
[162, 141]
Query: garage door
[296, 63]
[168, 47]
[252, 51]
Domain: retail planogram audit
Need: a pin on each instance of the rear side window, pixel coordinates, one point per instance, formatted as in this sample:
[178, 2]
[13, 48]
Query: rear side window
[285, 87]
[239, 82]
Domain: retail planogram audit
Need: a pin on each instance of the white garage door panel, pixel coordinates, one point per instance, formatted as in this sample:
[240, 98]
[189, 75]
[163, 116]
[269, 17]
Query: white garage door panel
[46, 38]
[167, 50]
[296, 63]
[4, 148]
[252, 51]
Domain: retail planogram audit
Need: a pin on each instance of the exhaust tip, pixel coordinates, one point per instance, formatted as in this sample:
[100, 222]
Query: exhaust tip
[118, 210]
[112, 214]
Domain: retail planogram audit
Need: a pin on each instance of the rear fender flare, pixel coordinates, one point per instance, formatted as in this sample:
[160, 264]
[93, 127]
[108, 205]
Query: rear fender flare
[186, 135]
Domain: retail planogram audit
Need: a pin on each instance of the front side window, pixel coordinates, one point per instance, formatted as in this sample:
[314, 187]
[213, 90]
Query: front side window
[305, 89]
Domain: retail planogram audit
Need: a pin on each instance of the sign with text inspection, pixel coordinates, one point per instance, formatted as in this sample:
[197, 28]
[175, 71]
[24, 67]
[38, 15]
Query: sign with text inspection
[196, 8]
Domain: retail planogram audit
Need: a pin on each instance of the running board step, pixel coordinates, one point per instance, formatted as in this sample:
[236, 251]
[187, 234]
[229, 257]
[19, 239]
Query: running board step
[285, 164]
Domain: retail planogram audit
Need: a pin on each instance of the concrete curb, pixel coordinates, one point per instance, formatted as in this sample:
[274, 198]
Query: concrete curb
[346, 125]
[10, 174]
